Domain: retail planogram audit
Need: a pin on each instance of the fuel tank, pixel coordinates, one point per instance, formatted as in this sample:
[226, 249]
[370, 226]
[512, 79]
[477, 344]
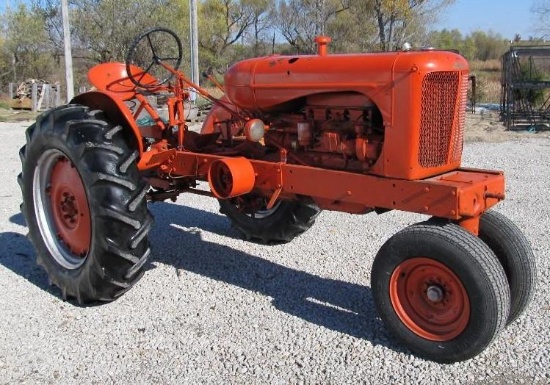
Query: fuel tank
[278, 83]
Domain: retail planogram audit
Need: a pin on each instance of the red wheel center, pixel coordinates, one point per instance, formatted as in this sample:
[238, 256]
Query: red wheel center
[429, 299]
[69, 210]
[69, 204]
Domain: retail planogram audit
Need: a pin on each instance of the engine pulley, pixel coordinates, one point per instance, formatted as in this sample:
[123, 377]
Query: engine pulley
[231, 177]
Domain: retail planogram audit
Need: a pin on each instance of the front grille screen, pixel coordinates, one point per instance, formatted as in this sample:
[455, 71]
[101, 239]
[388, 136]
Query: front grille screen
[441, 110]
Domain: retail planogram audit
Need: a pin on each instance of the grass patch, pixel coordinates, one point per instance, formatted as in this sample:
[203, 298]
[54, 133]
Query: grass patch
[493, 65]
[488, 78]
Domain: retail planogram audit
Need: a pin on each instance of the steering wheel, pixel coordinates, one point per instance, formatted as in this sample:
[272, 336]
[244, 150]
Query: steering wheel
[151, 48]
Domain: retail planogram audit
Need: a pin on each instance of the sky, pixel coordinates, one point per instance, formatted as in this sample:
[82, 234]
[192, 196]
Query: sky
[506, 17]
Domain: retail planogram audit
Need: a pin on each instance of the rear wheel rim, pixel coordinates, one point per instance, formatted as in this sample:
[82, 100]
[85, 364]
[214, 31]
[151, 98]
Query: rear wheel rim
[429, 299]
[62, 210]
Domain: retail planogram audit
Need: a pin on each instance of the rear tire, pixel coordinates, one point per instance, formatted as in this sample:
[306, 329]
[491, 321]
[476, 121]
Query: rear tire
[513, 251]
[440, 291]
[84, 203]
[285, 221]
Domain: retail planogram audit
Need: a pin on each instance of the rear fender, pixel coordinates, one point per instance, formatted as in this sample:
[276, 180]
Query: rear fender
[116, 111]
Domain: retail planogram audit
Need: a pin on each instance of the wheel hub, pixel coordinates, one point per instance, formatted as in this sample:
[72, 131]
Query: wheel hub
[69, 206]
[435, 293]
[429, 299]
[69, 209]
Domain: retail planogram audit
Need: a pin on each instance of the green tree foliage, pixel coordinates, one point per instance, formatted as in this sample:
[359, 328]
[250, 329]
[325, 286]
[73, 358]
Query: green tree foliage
[446, 39]
[102, 30]
[229, 30]
[478, 45]
[25, 48]
[489, 45]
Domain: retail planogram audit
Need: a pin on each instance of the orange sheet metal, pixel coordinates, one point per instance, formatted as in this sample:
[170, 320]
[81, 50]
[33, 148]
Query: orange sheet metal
[459, 194]
[453, 195]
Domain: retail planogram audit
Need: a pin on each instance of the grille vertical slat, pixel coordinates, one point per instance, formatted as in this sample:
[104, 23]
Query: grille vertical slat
[442, 109]
[460, 120]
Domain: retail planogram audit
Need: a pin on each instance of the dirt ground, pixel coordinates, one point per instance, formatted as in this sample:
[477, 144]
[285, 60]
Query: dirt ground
[487, 127]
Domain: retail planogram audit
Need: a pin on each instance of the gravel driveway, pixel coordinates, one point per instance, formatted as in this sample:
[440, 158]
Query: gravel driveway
[213, 308]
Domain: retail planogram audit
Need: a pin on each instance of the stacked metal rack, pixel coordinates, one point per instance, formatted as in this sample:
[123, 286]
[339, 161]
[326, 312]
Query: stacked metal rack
[525, 87]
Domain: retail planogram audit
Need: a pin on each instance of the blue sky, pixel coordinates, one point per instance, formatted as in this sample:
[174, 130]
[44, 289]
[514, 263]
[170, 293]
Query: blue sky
[506, 17]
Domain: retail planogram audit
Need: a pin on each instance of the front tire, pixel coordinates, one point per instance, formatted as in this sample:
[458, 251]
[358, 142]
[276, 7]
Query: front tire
[84, 203]
[441, 291]
[513, 251]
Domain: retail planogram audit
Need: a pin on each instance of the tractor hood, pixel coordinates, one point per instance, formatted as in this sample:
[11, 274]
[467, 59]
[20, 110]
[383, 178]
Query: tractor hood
[277, 83]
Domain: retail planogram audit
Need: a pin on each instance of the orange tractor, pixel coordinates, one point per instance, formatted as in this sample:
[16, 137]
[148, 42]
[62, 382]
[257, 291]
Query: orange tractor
[293, 135]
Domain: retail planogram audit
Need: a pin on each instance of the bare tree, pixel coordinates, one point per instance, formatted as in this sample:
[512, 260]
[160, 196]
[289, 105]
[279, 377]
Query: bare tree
[258, 34]
[401, 20]
[357, 24]
[105, 28]
[222, 23]
[299, 21]
[541, 9]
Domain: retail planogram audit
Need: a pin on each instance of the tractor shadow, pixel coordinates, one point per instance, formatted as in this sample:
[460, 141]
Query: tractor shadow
[18, 219]
[176, 240]
[336, 305]
[17, 254]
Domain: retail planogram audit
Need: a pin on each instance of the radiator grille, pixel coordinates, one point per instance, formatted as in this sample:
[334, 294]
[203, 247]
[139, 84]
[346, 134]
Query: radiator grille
[442, 118]
[458, 139]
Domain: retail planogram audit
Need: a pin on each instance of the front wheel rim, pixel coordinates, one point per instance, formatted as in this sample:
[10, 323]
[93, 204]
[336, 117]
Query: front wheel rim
[430, 299]
[62, 209]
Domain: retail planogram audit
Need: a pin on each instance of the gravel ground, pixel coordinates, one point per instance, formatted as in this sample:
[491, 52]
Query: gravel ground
[213, 308]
